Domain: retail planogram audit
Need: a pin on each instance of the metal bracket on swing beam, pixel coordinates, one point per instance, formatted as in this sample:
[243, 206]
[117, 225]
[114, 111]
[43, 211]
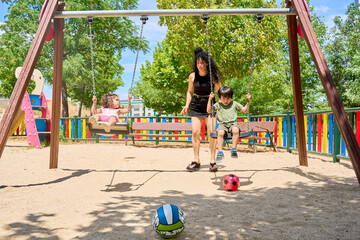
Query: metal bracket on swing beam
[175, 12]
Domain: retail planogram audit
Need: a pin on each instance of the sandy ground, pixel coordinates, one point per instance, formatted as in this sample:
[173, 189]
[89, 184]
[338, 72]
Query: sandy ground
[111, 191]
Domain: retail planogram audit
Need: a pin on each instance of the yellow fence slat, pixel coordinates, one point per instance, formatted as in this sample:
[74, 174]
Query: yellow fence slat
[280, 133]
[325, 142]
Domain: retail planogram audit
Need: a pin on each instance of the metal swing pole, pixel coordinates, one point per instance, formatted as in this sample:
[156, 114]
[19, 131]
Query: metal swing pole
[175, 12]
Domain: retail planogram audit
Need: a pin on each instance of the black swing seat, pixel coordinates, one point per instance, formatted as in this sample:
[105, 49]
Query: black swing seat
[229, 135]
[118, 128]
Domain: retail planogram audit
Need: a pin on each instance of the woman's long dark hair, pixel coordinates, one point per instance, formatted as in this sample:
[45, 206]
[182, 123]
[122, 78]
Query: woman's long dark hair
[200, 53]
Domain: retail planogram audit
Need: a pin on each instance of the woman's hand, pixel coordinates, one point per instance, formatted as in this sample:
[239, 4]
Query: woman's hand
[94, 99]
[129, 97]
[184, 110]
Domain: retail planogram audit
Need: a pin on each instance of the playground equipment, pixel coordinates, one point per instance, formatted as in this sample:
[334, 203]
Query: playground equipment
[37, 128]
[118, 128]
[295, 10]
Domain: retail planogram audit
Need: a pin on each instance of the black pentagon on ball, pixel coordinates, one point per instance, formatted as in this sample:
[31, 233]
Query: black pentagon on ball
[231, 175]
[234, 183]
[226, 181]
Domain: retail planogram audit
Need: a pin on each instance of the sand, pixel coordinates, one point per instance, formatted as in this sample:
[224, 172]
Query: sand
[111, 191]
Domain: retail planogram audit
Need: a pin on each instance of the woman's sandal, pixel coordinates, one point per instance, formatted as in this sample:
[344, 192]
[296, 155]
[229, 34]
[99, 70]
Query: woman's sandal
[213, 167]
[194, 166]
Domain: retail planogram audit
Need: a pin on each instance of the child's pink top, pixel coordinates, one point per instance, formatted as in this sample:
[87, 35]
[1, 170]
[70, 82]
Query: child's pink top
[107, 113]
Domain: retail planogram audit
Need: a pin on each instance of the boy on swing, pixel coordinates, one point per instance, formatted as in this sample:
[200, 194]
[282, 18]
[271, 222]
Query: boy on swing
[226, 110]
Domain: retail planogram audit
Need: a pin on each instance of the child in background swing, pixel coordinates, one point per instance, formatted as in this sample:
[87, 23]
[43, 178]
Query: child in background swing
[108, 114]
[226, 110]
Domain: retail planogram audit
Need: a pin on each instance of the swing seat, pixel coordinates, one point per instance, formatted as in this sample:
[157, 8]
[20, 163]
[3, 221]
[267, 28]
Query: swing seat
[229, 135]
[118, 128]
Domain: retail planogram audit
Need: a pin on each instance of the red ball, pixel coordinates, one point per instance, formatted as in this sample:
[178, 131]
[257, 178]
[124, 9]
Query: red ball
[231, 182]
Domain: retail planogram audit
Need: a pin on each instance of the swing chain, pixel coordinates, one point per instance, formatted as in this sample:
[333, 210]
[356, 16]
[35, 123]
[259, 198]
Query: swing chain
[259, 17]
[143, 19]
[205, 18]
[91, 36]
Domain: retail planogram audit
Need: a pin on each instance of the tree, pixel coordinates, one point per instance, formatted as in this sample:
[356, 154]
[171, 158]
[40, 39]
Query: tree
[112, 35]
[231, 41]
[231, 45]
[343, 54]
[161, 83]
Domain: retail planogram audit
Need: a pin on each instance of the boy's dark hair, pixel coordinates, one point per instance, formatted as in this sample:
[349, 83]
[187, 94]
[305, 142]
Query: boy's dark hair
[107, 100]
[200, 53]
[225, 92]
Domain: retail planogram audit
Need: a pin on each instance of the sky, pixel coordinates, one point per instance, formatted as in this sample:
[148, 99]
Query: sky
[327, 9]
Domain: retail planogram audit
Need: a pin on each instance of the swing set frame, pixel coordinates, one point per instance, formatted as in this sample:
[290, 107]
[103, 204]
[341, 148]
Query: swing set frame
[295, 9]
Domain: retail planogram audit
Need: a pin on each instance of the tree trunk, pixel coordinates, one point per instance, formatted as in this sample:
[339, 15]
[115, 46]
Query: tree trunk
[81, 101]
[160, 108]
[65, 106]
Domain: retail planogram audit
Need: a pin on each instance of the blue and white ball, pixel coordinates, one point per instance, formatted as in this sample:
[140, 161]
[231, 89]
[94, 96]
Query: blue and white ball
[169, 221]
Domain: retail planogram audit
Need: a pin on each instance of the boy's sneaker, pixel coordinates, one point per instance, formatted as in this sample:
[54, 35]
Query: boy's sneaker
[234, 153]
[219, 157]
[105, 126]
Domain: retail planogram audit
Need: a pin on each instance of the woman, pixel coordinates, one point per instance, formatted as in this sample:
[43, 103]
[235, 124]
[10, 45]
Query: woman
[197, 97]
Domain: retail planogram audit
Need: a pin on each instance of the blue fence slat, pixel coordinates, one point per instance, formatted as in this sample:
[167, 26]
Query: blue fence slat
[293, 132]
[72, 128]
[267, 135]
[61, 126]
[343, 148]
[309, 131]
[331, 132]
[163, 120]
[151, 131]
[189, 121]
[79, 129]
[284, 131]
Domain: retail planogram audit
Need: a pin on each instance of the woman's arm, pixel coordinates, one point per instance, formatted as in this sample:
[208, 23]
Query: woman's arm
[209, 105]
[189, 93]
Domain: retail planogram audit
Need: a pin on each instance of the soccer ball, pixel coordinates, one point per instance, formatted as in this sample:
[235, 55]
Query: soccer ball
[231, 182]
[169, 221]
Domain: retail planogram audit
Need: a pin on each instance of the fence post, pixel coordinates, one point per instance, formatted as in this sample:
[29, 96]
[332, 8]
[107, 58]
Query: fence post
[288, 131]
[336, 142]
[75, 128]
[249, 141]
[157, 132]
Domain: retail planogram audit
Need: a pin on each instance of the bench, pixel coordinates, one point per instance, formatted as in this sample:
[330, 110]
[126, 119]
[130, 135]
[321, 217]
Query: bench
[260, 127]
[256, 127]
[160, 126]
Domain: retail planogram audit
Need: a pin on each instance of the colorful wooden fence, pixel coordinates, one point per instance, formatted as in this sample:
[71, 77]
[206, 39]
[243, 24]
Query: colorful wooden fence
[322, 132]
[76, 129]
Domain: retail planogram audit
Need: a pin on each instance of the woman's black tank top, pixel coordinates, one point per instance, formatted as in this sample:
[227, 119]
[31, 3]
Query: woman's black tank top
[202, 84]
[202, 90]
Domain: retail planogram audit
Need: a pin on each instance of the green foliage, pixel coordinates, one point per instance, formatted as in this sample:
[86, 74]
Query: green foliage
[343, 54]
[162, 84]
[112, 35]
[231, 46]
